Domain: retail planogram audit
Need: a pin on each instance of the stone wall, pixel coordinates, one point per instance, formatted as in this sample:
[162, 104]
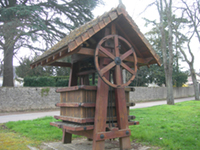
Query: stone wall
[27, 98]
[30, 98]
[158, 93]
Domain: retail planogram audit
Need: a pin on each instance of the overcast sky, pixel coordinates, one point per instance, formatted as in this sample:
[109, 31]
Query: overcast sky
[134, 9]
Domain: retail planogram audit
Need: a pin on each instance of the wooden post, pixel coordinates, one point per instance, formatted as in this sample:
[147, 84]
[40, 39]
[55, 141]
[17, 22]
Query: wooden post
[121, 109]
[67, 137]
[73, 79]
[120, 99]
[122, 117]
[100, 111]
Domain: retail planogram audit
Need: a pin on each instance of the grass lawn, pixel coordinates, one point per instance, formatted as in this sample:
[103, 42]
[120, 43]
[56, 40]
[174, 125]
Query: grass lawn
[14, 141]
[172, 127]
[167, 126]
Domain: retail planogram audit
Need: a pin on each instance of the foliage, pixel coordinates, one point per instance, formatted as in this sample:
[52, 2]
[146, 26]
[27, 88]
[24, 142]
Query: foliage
[171, 127]
[46, 81]
[141, 78]
[155, 74]
[179, 78]
[62, 82]
[45, 91]
[24, 69]
[38, 25]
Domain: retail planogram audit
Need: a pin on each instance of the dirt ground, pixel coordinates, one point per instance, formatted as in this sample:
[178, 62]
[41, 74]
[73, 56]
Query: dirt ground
[84, 144]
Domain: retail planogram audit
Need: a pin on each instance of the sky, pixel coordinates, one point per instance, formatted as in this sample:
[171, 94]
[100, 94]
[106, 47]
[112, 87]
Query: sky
[135, 9]
[138, 10]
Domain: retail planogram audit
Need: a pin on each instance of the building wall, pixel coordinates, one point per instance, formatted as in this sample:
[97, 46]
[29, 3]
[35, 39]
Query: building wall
[40, 98]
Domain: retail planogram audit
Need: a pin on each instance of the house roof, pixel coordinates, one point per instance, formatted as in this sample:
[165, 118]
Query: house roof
[124, 23]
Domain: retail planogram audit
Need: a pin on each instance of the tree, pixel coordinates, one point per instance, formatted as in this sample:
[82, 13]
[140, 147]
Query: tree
[167, 61]
[1, 67]
[25, 21]
[24, 70]
[165, 28]
[191, 13]
[165, 16]
[156, 73]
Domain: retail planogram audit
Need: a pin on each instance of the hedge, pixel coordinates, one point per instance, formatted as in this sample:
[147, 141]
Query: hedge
[43, 81]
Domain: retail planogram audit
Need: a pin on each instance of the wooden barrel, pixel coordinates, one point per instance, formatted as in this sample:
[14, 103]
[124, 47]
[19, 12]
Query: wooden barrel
[77, 104]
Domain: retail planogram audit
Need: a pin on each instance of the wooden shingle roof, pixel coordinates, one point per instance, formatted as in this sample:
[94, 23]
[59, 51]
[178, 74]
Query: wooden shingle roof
[126, 26]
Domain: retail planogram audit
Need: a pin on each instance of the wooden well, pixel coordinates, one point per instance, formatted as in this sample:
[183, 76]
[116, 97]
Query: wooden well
[104, 47]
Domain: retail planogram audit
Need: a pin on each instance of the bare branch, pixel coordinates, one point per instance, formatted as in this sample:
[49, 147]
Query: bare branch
[1, 43]
[190, 51]
[148, 7]
[2, 4]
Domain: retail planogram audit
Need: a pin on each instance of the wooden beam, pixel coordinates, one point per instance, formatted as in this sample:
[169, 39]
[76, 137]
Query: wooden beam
[80, 127]
[113, 134]
[128, 39]
[74, 104]
[88, 133]
[113, 28]
[53, 57]
[86, 120]
[75, 88]
[86, 72]
[60, 64]
[73, 79]
[121, 109]
[90, 52]
[67, 137]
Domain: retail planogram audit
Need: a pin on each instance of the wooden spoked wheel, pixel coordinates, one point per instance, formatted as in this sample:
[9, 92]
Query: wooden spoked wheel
[117, 60]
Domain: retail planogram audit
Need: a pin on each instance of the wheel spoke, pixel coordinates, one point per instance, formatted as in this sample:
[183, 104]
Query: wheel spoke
[127, 68]
[125, 55]
[109, 54]
[118, 75]
[116, 46]
[108, 67]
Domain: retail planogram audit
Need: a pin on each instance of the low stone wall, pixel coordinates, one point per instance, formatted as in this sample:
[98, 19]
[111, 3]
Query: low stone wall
[158, 93]
[30, 98]
[27, 98]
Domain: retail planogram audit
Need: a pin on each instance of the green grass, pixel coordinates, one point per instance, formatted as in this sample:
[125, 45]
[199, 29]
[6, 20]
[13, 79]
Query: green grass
[37, 129]
[10, 140]
[172, 127]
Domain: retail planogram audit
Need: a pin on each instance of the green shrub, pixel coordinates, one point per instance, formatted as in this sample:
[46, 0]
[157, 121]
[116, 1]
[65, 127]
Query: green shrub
[46, 81]
[62, 82]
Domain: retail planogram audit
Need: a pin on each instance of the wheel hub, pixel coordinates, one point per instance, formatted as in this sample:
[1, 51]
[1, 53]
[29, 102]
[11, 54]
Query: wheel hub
[118, 61]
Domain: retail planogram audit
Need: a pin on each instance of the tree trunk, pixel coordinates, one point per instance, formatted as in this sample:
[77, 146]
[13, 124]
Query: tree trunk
[8, 66]
[167, 60]
[170, 93]
[195, 83]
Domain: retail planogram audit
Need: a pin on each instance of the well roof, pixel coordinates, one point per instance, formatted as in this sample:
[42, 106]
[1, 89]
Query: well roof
[77, 37]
